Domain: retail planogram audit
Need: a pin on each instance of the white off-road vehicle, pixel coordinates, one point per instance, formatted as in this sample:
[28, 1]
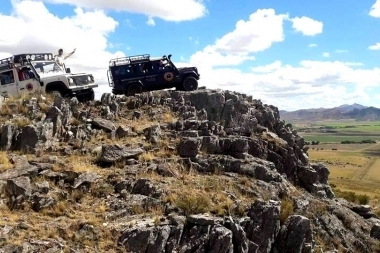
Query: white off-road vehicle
[39, 73]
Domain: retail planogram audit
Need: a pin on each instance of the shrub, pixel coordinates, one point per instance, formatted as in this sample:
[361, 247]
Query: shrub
[352, 197]
[193, 203]
[363, 199]
[287, 209]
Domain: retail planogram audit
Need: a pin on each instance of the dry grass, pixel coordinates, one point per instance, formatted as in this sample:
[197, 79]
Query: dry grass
[287, 209]
[147, 157]
[351, 169]
[5, 164]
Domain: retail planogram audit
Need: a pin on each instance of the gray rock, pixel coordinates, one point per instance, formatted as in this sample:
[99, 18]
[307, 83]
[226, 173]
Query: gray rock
[220, 240]
[264, 225]
[85, 178]
[103, 124]
[19, 186]
[152, 133]
[40, 202]
[203, 220]
[146, 187]
[375, 231]
[123, 131]
[189, 147]
[43, 187]
[145, 239]
[240, 240]
[117, 153]
[295, 236]
[19, 171]
[7, 133]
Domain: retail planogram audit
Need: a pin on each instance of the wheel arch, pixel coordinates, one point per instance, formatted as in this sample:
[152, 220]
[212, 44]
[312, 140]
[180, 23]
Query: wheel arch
[57, 85]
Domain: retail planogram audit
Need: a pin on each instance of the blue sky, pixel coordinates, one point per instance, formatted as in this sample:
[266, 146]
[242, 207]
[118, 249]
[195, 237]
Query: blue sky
[291, 55]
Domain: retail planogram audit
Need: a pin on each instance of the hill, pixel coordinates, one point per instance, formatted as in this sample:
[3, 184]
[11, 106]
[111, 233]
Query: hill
[354, 111]
[167, 171]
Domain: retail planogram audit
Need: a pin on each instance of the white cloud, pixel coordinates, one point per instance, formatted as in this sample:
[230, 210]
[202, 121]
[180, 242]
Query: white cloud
[312, 45]
[307, 26]
[375, 46]
[267, 68]
[263, 28]
[150, 22]
[169, 10]
[40, 31]
[375, 9]
[260, 32]
[303, 85]
[326, 54]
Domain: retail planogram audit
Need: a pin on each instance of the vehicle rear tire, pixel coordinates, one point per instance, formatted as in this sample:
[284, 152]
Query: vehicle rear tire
[134, 89]
[189, 84]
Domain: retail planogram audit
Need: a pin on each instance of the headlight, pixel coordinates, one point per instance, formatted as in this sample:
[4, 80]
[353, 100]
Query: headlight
[89, 78]
[71, 81]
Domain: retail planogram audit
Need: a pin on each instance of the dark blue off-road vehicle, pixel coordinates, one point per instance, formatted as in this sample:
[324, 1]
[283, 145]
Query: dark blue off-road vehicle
[136, 74]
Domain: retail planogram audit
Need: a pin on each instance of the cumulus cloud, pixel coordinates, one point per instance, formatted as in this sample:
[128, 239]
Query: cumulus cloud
[307, 26]
[169, 10]
[326, 54]
[258, 33]
[289, 86]
[267, 68]
[375, 9]
[263, 28]
[375, 46]
[312, 45]
[40, 31]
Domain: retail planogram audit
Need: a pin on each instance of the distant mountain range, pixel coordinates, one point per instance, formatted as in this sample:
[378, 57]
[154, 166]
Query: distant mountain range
[355, 111]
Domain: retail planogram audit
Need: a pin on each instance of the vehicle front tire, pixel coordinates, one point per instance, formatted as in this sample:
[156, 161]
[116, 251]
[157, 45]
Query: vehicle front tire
[189, 84]
[134, 89]
[55, 93]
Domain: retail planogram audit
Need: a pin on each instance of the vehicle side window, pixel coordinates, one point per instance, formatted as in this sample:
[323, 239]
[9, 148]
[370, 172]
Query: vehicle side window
[7, 77]
[157, 66]
[148, 67]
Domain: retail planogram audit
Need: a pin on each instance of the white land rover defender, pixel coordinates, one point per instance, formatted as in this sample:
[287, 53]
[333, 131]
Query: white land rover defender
[38, 72]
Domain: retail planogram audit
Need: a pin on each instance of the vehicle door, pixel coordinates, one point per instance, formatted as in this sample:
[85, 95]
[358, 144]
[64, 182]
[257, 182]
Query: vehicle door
[8, 80]
[148, 71]
[27, 81]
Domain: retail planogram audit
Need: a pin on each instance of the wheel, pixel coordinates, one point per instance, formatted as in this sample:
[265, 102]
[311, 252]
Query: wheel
[189, 84]
[134, 89]
[91, 95]
[55, 93]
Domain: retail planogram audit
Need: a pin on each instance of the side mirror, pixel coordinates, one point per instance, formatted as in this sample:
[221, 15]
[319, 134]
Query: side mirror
[68, 70]
[169, 56]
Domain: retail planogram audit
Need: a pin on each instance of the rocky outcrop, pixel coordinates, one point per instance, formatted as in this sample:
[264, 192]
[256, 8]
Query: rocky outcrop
[169, 171]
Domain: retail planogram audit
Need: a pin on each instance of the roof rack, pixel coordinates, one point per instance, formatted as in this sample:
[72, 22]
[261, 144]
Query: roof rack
[130, 59]
[26, 56]
[6, 60]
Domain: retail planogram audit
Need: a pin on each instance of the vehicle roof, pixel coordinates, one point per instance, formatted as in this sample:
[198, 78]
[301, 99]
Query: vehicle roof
[25, 56]
[136, 59]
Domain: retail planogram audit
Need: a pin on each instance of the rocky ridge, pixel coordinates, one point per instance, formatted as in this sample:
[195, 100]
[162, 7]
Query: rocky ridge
[167, 171]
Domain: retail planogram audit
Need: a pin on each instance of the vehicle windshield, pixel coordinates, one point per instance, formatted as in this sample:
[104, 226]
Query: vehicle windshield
[47, 67]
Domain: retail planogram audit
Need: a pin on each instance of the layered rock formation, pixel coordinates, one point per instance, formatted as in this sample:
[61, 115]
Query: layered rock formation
[169, 171]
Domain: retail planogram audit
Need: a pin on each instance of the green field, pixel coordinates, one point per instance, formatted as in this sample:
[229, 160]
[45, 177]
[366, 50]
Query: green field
[353, 167]
[338, 131]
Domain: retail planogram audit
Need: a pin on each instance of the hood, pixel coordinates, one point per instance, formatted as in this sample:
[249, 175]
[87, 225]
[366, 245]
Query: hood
[52, 74]
[184, 69]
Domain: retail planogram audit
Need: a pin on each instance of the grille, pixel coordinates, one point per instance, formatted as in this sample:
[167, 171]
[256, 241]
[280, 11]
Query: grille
[81, 80]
